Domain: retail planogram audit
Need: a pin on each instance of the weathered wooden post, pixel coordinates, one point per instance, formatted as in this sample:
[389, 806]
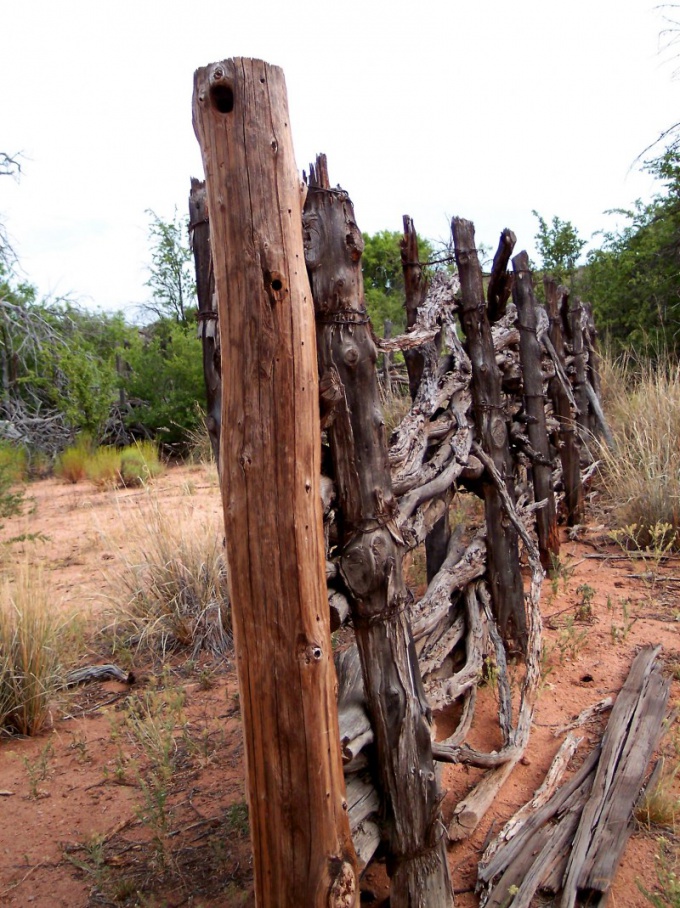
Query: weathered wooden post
[534, 407]
[556, 298]
[372, 551]
[505, 580]
[270, 479]
[501, 280]
[208, 330]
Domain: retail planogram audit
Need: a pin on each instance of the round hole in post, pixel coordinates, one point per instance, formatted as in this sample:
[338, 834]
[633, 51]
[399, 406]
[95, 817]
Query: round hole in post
[222, 97]
[277, 284]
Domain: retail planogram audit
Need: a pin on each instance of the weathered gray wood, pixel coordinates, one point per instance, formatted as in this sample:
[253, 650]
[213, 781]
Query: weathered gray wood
[630, 738]
[371, 550]
[534, 406]
[415, 287]
[505, 580]
[208, 331]
[569, 451]
[98, 673]
[580, 366]
[270, 468]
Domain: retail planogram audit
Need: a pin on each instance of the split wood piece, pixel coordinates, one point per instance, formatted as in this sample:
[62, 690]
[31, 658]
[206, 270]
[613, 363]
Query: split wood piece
[363, 807]
[520, 844]
[503, 570]
[339, 608]
[371, 555]
[355, 726]
[443, 691]
[586, 715]
[98, 673]
[500, 283]
[534, 407]
[459, 569]
[270, 471]
[208, 329]
[594, 384]
[627, 746]
[556, 298]
[541, 797]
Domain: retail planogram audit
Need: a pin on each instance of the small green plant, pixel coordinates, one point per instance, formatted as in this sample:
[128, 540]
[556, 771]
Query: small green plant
[103, 468]
[660, 807]
[38, 770]
[237, 818]
[79, 746]
[559, 572]
[584, 608]
[31, 643]
[667, 870]
[620, 629]
[570, 642]
[12, 472]
[71, 466]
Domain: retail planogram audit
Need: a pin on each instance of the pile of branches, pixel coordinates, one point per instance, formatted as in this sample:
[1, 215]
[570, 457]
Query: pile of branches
[438, 452]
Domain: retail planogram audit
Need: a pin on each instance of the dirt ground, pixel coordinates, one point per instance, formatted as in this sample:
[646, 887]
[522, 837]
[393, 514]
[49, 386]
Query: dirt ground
[85, 824]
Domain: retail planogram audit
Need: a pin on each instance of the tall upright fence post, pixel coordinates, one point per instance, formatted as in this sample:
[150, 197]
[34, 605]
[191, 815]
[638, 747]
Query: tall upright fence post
[270, 481]
[505, 579]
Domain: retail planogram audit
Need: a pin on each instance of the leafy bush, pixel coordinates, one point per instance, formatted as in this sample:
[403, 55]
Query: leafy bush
[30, 639]
[642, 473]
[12, 471]
[174, 590]
[139, 463]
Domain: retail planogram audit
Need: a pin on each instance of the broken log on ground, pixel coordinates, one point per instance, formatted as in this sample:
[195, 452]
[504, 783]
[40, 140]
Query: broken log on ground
[571, 845]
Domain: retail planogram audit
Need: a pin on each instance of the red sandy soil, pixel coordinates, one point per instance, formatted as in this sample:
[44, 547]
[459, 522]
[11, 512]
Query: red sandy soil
[83, 835]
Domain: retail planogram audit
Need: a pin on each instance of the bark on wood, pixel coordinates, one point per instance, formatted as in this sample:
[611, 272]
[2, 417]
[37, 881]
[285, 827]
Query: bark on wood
[270, 470]
[208, 330]
[534, 407]
[371, 554]
[501, 280]
[580, 366]
[569, 452]
[415, 286]
[502, 551]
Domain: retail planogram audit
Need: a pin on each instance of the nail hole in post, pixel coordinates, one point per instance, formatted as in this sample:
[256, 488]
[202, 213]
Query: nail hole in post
[277, 284]
[222, 97]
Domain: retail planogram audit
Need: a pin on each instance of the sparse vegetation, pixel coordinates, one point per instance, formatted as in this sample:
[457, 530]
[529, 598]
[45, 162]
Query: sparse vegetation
[641, 474]
[30, 652]
[174, 591]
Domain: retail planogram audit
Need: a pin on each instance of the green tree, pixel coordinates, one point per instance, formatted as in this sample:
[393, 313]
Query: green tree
[633, 280]
[166, 379]
[559, 247]
[172, 286]
[384, 277]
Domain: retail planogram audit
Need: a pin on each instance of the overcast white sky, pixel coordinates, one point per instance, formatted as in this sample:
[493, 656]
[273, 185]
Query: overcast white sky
[485, 109]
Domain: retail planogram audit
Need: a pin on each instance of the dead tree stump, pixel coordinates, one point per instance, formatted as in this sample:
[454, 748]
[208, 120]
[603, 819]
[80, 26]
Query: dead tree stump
[372, 551]
[270, 479]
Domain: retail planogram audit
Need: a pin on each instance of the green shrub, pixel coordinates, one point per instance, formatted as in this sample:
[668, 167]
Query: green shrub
[29, 652]
[12, 472]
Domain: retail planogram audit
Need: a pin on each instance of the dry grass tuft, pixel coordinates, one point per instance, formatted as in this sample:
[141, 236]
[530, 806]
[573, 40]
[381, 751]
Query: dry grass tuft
[30, 644]
[641, 474]
[173, 590]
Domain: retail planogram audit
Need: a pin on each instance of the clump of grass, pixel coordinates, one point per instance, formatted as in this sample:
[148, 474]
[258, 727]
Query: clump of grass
[641, 474]
[667, 868]
[13, 461]
[103, 468]
[30, 638]
[71, 465]
[174, 590]
[139, 463]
